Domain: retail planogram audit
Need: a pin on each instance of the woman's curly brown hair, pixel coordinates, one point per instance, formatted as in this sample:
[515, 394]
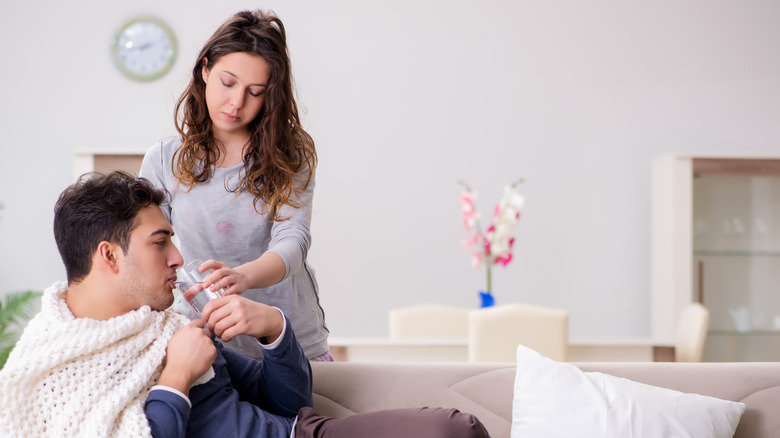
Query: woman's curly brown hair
[279, 148]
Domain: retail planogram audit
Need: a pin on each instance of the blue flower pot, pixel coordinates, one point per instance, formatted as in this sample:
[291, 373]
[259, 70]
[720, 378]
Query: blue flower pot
[486, 299]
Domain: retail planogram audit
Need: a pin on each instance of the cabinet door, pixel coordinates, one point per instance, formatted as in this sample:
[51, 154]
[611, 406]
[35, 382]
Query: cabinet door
[716, 240]
[736, 255]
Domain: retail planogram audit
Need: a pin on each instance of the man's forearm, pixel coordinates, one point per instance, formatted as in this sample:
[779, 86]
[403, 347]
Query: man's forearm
[281, 383]
[167, 413]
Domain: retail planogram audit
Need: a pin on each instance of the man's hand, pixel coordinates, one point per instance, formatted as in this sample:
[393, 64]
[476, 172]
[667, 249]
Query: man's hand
[233, 315]
[190, 353]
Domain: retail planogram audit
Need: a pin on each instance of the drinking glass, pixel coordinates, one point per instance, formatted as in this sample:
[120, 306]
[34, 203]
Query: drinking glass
[189, 282]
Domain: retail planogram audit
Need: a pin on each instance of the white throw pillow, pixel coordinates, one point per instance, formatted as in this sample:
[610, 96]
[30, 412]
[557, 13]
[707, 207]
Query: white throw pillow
[554, 399]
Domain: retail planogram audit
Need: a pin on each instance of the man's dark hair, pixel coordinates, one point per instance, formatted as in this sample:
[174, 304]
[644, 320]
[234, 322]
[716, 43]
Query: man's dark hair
[98, 208]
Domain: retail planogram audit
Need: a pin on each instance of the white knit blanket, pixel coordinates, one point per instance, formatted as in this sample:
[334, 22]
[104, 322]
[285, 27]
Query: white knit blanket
[70, 377]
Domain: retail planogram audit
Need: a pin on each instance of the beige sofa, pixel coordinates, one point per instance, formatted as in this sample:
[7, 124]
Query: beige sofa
[344, 388]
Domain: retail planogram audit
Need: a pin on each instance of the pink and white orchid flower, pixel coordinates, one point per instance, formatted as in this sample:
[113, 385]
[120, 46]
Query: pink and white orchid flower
[497, 241]
[470, 215]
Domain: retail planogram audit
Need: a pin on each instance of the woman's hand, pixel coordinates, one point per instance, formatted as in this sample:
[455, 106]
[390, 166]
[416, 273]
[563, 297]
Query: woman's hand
[230, 316]
[232, 281]
[264, 271]
[189, 355]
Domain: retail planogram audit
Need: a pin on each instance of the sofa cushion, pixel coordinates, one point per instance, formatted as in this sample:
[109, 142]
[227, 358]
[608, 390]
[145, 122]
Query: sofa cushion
[553, 399]
[482, 389]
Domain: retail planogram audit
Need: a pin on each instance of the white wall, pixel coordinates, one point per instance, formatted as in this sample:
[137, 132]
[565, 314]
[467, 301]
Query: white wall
[405, 98]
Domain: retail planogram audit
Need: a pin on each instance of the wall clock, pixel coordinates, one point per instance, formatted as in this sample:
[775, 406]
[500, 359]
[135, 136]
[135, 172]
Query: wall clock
[144, 48]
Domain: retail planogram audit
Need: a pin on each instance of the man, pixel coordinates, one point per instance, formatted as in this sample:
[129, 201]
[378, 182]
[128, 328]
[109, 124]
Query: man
[107, 356]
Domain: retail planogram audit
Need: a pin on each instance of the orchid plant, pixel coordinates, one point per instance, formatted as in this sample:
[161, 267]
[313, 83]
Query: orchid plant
[493, 246]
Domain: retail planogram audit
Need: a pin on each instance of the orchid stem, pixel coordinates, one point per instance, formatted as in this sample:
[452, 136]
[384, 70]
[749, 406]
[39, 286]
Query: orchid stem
[488, 264]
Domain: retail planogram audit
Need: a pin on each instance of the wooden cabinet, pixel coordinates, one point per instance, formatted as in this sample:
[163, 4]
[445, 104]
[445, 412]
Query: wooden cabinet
[716, 239]
[105, 160]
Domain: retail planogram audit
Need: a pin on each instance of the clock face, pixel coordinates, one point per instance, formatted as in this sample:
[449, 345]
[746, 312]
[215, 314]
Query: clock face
[144, 49]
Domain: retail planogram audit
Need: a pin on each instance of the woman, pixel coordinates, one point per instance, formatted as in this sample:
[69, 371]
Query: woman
[241, 176]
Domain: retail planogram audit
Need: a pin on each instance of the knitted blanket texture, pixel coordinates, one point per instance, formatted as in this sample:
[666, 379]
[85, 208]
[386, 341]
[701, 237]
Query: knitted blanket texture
[72, 376]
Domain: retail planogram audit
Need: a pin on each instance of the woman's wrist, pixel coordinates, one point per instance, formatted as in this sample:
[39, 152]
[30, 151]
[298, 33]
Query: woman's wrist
[267, 270]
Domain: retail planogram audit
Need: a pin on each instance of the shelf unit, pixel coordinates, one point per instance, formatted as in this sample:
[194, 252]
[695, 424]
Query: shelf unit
[716, 240]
